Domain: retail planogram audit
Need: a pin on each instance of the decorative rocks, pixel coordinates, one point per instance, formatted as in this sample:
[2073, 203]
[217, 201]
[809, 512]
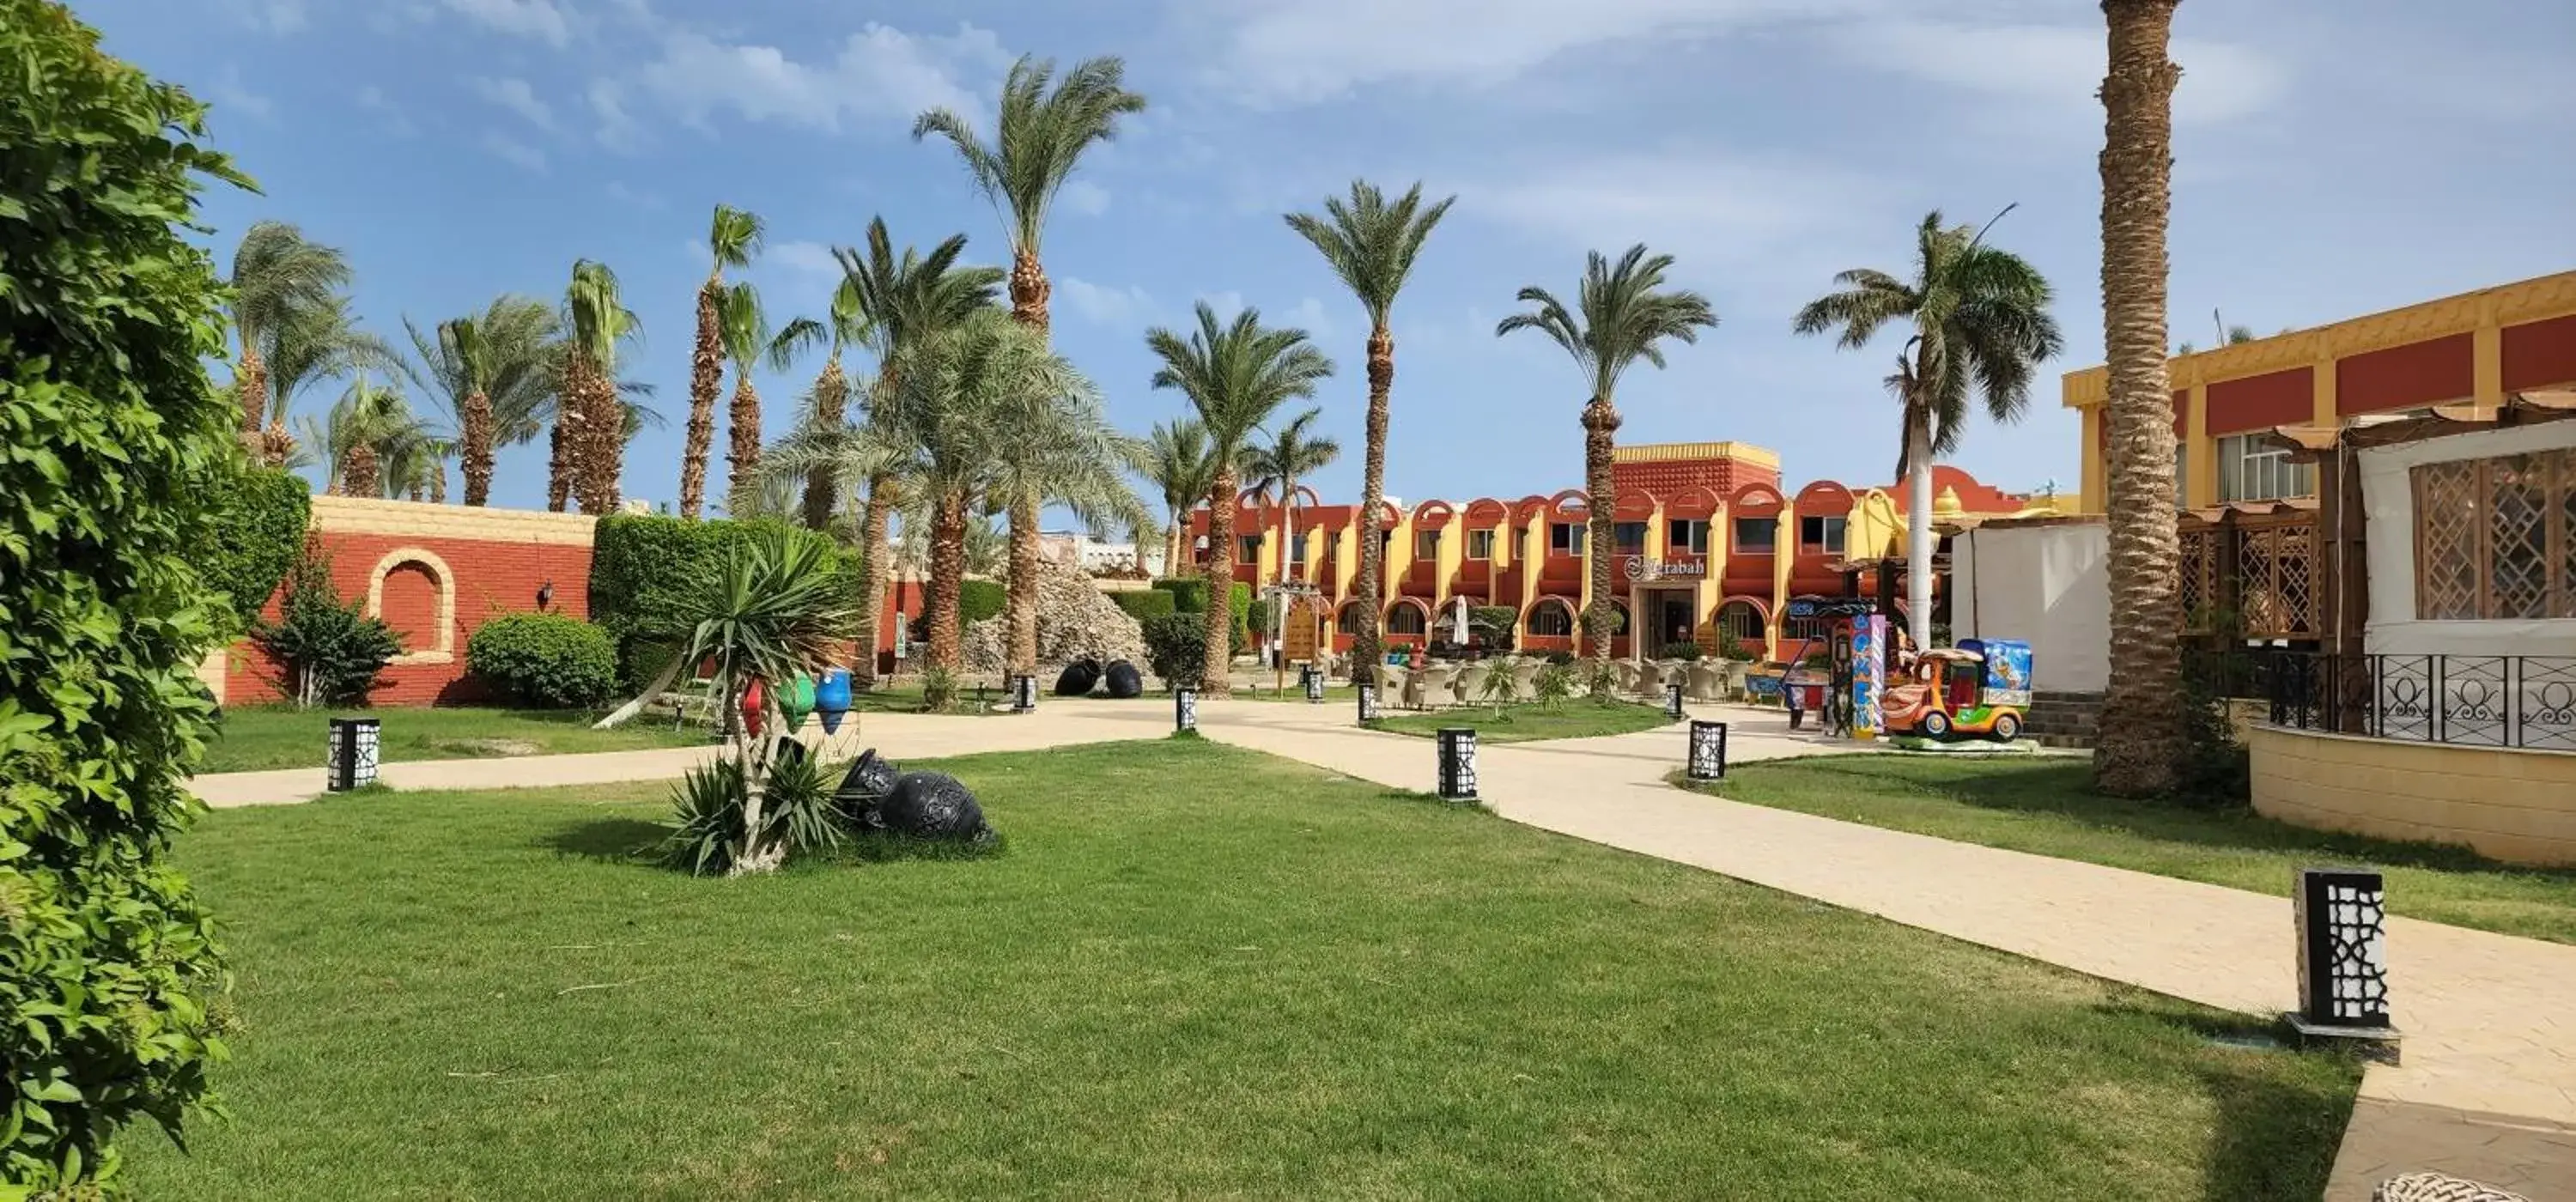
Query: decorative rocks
[1124, 681]
[1077, 679]
[1076, 621]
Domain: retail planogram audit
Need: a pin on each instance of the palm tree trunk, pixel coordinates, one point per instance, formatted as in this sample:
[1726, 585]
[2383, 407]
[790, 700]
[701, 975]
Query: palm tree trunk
[276, 446]
[437, 481]
[250, 385]
[1601, 618]
[604, 470]
[2141, 739]
[1029, 290]
[359, 476]
[947, 571]
[1367, 646]
[742, 460]
[1918, 527]
[831, 407]
[1020, 606]
[475, 455]
[558, 457]
[876, 568]
[706, 379]
[1216, 676]
[1172, 541]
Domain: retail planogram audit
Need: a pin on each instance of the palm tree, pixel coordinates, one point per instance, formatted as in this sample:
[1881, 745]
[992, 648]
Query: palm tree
[1038, 140]
[1057, 448]
[370, 427]
[1176, 460]
[1236, 375]
[902, 300]
[1292, 452]
[310, 345]
[491, 370]
[2142, 739]
[829, 402]
[733, 238]
[750, 341]
[2228, 335]
[593, 422]
[278, 279]
[1980, 324]
[1621, 312]
[1371, 245]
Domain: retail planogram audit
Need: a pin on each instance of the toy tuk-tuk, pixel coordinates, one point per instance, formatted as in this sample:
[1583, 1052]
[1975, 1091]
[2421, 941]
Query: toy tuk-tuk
[1980, 687]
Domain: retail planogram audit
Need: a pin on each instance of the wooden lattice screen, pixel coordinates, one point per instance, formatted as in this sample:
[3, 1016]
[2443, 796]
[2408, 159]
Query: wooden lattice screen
[2496, 538]
[2199, 578]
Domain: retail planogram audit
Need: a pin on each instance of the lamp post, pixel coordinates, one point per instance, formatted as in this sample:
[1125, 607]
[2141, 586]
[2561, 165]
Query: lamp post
[1707, 750]
[1024, 694]
[352, 753]
[2343, 963]
[1185, 709]
[1673, 700]
[1313, 679]
[1367, 690]
[1457, 763]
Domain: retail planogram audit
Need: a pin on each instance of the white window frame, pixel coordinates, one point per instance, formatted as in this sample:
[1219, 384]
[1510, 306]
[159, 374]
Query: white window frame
[1834, 531]
[1735, 535]
[1686, 536]
[1580, 536]
[2248, 471]
[1480, 544]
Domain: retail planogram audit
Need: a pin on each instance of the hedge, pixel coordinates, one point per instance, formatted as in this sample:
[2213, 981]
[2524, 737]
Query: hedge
[552, 660]
[980, 599]
[1189, 594]
[1145, 605]
[642, 567]
[258, 532]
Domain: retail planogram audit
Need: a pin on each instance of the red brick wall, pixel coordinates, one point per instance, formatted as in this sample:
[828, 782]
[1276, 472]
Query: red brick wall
[1664, 478]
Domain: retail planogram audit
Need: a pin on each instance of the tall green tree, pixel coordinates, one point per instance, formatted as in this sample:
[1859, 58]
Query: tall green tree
[828, 405]
[1178, 464]
[1622, 314]
[596, 324]
[1295, 452]
[371, 425]
[751, 341]
[902, 300]
[494, 372]
[117, 444]
[310, 346]
[2143, 737]
[279, 278]
[1979, 325]
[1038, 140]
[1236, 374]
[733, 240]
[1372, 244]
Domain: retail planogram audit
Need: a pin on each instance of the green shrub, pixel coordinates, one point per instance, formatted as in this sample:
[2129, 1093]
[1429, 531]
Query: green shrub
[1176, 648]
[112, 445]
[706, 826]
[980, 599]
[644, 568]
[1189, 594]
[332, 651]
[1241, 605]
[1494, 624]
[1688, 653]
[256, 537]
[552, 660]
[1144, 604]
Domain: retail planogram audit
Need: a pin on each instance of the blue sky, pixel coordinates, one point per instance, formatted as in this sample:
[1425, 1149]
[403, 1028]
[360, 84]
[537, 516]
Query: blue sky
[2334, 157]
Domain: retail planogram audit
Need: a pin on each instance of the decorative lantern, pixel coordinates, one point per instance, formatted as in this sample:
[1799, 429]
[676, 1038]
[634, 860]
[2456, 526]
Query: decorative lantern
[1024, 694]
[1673, 701]
[1185, 708]
[353, 753]
[1707, 750]
[753, 694]
[1367, 691]
[1457, 763]
[1314, 685]
[832, 698]
[2343, 966]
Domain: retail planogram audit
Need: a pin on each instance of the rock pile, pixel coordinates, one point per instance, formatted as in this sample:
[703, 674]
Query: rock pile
[1075, 621]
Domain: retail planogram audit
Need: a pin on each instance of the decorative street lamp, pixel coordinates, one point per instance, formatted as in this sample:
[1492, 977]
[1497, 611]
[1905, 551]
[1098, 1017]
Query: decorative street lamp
[2343, 964]
[1673, 701]
[1367, 690]
[1314, 681]
[1457, 763]
[1185, 709]
[1707, 750]
[353, 753]
[1024, 694]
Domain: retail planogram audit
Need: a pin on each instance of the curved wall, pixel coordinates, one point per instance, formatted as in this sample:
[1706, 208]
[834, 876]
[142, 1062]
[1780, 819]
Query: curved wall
[2507, 804]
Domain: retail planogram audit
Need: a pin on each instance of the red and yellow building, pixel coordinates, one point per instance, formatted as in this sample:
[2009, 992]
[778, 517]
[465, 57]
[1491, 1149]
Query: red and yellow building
[1709, 547]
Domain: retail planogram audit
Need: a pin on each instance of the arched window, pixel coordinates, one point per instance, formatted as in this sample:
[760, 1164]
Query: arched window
[1404, 619]
[1740, 621]
[1551, 619]
[1349, 619]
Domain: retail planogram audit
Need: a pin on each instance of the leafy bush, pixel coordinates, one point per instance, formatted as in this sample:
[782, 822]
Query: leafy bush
[939, 690]
[1240, 601]
[980, 599]
[332, 651]
[1562, 659]
[1554, 683]
[115, 442]
[1493, 624]
[552, 660]
[1189, 594]
[1145, 604]
[1176, 648]
[646, 569]
[706, 828]
[255, 538]
[1688, 653]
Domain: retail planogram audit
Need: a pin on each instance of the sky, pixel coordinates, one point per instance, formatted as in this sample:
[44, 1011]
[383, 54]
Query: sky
[2333, 158]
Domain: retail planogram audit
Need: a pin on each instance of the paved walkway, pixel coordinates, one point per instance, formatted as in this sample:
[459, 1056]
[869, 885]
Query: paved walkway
[2487, 1090]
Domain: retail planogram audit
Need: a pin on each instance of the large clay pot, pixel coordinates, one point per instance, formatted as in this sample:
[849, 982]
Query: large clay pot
[1077, 678]
[1124, 681]
[832, 698]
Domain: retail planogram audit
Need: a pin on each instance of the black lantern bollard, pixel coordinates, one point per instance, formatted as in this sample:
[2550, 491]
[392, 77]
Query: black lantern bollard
[1314, 685]
[1707, 750]
[1673, 701]
[1024, 694]
[1185, 708]
[1457, 763]
[2343, 966]
[353, 753]
[1367, 690]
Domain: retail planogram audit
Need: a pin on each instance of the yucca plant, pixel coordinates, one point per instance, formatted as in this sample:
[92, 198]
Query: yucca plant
[1499, 687]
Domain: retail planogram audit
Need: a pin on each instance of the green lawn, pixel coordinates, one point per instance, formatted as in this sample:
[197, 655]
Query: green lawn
[2045, 806]
[1574, 718]
[1196, 972]
[257, 737]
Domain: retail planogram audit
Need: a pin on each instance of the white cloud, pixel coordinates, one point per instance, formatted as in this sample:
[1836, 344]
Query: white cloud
[811, 260]
[1084, 197]
[617, 127]
[1310, 51]
[2059, 65]
[618, 191]
[513, 150]
[516, 96]
[271, 16]
[229, 92]
[394, 121]
[538, 19]
[1103, 304]
[1226, 303]
[879, 74]
[1308, 315]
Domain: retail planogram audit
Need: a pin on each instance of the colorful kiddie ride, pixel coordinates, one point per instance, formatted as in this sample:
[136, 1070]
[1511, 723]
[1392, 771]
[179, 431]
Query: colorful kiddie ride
[1980, 687]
